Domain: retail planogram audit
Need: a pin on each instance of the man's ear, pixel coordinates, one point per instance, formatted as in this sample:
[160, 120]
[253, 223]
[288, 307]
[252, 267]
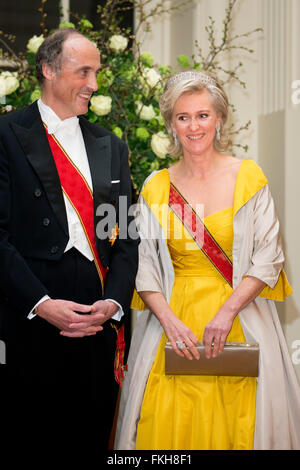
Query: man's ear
[48, 72]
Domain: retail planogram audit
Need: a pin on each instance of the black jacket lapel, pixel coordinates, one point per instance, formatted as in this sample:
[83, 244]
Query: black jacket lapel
[32, 137]
[99, 156]
[35, 145]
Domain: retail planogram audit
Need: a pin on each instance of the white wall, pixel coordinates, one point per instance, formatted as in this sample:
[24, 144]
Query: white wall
[273, 138]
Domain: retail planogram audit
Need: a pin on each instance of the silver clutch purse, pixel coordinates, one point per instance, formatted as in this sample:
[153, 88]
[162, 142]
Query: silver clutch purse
[236, 359]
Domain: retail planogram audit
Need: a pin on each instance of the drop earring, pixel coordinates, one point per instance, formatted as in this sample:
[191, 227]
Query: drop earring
[218, 133]
[175, 137]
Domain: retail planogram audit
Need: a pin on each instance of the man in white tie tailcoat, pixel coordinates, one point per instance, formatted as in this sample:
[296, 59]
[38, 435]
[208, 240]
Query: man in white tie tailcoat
[65, 286]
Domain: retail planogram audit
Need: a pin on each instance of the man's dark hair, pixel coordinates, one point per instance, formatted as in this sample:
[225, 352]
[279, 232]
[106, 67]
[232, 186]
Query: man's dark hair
[50, 51]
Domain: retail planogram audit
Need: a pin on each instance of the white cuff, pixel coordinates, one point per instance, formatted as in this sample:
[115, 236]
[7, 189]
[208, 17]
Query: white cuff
[31, 314]
[119, 314]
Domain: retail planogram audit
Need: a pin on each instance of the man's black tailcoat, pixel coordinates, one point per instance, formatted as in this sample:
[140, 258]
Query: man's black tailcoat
[33, 238]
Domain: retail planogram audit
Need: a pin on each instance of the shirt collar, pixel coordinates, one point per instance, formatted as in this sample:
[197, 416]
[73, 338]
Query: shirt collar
[54, 123]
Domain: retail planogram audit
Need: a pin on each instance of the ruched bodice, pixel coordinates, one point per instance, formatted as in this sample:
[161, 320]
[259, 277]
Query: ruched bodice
[187, 257]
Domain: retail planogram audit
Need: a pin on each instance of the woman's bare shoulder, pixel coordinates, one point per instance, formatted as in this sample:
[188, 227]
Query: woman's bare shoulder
[230, 160]
[231, 164]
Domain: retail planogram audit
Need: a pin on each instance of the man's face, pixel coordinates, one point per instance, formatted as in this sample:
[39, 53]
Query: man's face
[68, 91]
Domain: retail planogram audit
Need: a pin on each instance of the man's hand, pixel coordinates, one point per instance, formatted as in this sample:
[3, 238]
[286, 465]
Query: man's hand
[72, 319]
[104, 309]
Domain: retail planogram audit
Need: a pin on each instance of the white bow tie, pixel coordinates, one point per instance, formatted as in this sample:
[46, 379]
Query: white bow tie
[68, 126]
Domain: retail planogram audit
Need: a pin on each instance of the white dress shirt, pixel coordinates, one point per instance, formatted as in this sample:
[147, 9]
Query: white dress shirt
[69, 135]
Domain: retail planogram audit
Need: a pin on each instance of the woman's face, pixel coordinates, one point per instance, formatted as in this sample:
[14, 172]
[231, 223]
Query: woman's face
[194, 121]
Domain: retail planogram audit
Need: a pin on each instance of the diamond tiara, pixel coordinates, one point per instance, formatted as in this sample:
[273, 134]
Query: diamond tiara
[191, 75]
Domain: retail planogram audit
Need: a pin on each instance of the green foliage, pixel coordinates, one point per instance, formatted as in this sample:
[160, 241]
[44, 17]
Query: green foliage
[183, 60]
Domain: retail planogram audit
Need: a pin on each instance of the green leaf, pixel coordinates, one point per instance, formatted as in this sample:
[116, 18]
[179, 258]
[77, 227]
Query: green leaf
[66, 24]
[183, 60]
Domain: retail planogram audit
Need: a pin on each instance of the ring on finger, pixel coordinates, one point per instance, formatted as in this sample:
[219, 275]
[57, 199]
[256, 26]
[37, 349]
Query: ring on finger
[179, 344]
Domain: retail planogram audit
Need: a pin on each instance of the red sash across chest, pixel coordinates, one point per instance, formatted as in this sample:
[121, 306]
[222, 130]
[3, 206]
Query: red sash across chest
[200, 234]
[78, 192]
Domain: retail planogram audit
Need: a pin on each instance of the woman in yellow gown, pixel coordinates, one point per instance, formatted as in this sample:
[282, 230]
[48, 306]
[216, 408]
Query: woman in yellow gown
[201, 412]
[198, 412]
[188, 300]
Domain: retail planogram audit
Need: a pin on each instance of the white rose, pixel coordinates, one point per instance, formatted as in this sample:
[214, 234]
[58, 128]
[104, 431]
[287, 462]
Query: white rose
[7, 74]
[118, 43]
[146, 112]
[11, 83]
[8, 83]
[34, 43]
[101, 105]
[2, 87]
[151, 77]
[160, 143]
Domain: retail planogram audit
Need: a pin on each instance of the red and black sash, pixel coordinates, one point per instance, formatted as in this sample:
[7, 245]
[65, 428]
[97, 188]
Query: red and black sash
[78, 192]
[200, 234]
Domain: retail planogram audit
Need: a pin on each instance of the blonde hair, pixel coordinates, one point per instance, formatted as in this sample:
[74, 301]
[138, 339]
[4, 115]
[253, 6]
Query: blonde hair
[193, 81]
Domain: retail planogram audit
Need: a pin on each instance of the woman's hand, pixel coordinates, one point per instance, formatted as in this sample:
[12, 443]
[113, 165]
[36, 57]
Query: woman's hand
[216, 332]
[176, 331]
[181, 337]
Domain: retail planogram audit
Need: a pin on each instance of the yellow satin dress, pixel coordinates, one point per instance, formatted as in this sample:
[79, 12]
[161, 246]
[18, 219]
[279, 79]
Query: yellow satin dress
[198, 412]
